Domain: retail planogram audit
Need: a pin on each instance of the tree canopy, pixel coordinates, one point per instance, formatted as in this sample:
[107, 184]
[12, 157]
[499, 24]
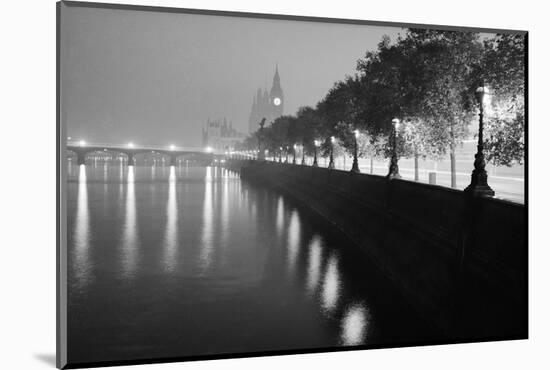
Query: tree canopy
[426, 79]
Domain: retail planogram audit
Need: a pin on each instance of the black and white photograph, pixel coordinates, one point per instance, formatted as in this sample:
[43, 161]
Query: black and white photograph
[237, 184]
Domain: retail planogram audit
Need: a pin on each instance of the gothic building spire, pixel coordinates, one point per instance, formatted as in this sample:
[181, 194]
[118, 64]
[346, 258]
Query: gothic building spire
[268, 103]
[276, 79]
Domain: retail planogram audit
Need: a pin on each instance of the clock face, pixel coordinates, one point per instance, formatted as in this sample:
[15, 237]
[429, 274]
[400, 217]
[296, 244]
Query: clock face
[277, 101]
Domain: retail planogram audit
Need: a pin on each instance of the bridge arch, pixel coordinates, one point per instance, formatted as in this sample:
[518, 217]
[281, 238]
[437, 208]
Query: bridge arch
[84, 153]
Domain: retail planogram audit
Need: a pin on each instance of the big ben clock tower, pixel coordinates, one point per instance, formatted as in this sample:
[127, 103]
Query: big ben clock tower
[267, 105]
[276, 97]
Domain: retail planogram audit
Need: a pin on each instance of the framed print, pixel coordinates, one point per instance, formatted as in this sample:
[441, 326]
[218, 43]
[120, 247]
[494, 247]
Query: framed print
[236, 184]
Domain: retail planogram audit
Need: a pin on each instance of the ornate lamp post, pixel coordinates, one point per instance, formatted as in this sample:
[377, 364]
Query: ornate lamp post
[331, 159]
[355, 166]
[261, 155]
[316, 144]
[394, 168]
[478, 185]
[294, 154]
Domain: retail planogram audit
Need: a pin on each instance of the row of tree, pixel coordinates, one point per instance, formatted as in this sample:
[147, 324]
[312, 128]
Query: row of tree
[427, 79]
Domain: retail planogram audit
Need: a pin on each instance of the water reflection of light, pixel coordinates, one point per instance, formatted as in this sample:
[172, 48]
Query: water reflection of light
[171, 232]
[129, 238]
[253, 211]
[314, 264]
[105, 172]
[82, 231]
[121, 173]
[225, 211]
[293, 238]
[207, 221]
[280, 215]
[331, 284]
[245, 201]
[354, 325]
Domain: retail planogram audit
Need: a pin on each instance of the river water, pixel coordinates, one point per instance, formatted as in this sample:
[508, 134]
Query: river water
[168, 262]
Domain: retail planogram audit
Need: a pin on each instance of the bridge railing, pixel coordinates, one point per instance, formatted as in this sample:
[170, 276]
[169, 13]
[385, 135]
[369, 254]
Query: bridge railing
[77, 144]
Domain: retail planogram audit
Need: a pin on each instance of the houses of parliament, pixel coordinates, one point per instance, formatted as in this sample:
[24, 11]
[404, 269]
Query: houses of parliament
[267, 105]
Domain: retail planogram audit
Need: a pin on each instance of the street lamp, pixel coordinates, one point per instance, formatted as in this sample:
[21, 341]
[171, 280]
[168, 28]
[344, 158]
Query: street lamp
[316, 144]
[355, 167]
[394, 168]
[294, 154]
[331, 159]
[478, 184]
[261, 155]
[280, 154]
[303, 153]
[286, 154]
[172, 147]
[82, 143]
[130, 145]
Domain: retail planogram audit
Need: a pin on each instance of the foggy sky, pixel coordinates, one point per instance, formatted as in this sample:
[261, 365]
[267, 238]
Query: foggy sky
[155, 78]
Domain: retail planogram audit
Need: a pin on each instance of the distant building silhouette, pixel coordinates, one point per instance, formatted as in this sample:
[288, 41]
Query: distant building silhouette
[267, 105]
[220, 135]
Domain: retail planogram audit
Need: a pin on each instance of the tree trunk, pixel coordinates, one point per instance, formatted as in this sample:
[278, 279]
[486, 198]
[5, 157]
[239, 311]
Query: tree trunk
[371, 165]
[416, 167]
[453, 159]
[453, 167]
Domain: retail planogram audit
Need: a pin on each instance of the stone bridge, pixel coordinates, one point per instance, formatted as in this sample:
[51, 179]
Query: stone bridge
[82, 150]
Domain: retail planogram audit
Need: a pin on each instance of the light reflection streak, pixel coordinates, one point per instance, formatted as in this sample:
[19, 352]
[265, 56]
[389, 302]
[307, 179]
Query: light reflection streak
[314, 264]
[105, 183]
[225, 211]
[207, 221]
[105, 172]
[293, 239]
[331, 285]
[82, 230]
[253, 211]
[121, 174]
[129, 238]
[171, 231]
[245, 198]
[280, 215]
[355, 325]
